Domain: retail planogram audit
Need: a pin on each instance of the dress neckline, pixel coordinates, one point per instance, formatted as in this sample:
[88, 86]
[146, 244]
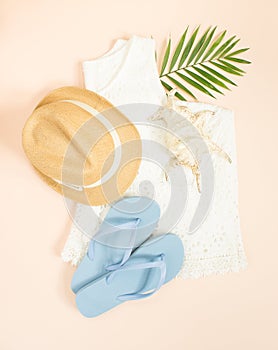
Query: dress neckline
[126, 47]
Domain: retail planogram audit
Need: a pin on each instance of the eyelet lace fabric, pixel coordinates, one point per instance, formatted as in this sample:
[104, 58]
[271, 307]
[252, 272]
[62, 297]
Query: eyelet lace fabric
[216, 247]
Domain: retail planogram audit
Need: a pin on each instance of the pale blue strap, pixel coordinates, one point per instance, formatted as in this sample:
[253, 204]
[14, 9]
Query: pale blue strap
[126, 256]
[149, 265]
[129, 225]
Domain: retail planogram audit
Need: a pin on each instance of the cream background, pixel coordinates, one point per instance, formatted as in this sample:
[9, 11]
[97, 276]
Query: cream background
[42, 44]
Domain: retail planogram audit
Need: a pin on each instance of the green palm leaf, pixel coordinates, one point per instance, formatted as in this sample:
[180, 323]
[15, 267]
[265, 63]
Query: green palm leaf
[205, 45]
[188, 47]
[203, 81]
[229, 48]
[178, 50]
[235, 53]
[169, 88]
[181, 86]
[211, 77]
[198, 47]
[226, 68]
[238, 60]
[204, 66]
[231, 66]
[214, 45]
[195, 84]
[219, 75]
[166, 56]
[222, 47]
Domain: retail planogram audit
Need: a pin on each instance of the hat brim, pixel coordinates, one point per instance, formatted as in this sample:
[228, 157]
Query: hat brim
[129, 136]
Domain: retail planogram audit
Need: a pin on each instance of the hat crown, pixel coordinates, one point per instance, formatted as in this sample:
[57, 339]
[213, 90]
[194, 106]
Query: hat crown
[65, 139]
[68, 144]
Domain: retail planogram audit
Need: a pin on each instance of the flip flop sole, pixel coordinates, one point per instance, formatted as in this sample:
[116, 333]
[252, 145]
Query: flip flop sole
[98, 296]
[110, 250]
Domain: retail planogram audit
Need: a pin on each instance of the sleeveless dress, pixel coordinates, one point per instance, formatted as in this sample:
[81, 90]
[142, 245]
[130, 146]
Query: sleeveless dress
[127, 74]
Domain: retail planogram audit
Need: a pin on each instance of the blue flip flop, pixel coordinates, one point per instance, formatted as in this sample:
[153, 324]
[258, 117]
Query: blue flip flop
[129, 222]
[153, 264]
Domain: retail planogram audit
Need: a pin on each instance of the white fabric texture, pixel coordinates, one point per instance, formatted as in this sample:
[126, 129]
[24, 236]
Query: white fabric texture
[128, 74]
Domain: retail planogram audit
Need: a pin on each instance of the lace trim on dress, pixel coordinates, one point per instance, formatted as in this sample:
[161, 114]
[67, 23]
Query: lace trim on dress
[76, 247]
[219, 265]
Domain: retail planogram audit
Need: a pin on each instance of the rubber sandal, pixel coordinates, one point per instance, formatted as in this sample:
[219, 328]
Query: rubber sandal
[154, 263]
[129, 222]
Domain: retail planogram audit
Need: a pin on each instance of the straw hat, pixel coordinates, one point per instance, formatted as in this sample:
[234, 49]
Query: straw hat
[82, 146]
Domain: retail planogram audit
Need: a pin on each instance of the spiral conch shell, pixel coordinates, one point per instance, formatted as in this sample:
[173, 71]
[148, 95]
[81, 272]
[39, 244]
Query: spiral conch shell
[183, 155]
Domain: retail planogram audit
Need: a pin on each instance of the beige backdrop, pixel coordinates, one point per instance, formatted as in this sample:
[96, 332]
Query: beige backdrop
[42, 44]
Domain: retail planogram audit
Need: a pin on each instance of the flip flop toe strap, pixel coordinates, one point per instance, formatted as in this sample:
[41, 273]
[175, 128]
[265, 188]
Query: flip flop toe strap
[130, 225]
[160, 264]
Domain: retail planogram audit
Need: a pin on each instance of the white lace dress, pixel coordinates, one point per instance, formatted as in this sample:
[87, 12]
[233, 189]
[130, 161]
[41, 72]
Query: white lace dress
[127, 74]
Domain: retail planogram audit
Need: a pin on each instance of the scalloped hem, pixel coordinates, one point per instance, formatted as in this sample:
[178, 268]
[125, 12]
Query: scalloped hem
[203, 267]
[75, 248]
